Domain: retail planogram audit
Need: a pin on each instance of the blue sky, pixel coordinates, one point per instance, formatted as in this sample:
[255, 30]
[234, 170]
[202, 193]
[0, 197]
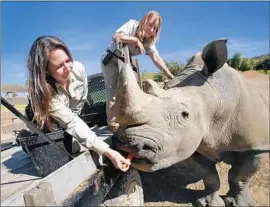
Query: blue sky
[87, 28]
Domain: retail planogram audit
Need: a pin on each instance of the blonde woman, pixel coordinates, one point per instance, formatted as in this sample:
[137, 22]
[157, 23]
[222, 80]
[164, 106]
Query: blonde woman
[141, 37]
[58, 90]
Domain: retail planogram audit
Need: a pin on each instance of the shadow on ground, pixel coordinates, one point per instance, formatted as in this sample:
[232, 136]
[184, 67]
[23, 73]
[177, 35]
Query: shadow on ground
[170, 184]
[20, 163]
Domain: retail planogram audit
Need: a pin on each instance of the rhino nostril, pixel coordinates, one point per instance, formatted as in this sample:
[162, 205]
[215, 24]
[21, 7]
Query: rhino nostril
[147, 147]
[185, 114]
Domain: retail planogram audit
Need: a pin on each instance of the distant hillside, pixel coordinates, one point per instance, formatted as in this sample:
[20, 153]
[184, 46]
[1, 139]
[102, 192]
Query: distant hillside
[260, 58]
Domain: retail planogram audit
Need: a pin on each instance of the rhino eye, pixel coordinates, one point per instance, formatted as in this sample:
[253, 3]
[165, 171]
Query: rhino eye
[185, 114]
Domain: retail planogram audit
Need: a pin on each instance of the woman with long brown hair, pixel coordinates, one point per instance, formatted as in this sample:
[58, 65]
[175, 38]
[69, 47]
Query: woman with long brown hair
[141, 37]
[58, 90]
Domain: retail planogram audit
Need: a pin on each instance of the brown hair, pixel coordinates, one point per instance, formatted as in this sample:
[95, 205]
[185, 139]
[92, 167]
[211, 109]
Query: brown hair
[140, 33]
[41, 84]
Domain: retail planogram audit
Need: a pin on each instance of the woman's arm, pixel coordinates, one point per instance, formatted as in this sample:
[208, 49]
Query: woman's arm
[158, 61]
[126, 32]
[125, 38]
[77, 128]
[129, 40]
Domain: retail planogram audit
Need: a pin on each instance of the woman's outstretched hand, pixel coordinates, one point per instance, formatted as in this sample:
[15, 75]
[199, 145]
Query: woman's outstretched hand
[118, 160]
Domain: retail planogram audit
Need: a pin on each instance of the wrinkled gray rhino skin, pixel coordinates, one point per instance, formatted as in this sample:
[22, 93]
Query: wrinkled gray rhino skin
[210, 109]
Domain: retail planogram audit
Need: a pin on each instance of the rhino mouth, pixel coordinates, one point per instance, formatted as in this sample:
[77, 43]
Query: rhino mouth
[143, 150]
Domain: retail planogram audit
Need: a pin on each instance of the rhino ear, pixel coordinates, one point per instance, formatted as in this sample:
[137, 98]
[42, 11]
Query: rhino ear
[214, 56]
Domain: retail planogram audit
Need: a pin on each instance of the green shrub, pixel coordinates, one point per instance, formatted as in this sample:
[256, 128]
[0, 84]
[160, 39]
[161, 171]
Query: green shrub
[158, 77]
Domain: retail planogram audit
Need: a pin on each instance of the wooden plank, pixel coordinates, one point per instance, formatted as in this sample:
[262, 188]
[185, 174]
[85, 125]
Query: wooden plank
[17, 196]
[13, 88]
[68, 174]
[19, 181]
[17, 172]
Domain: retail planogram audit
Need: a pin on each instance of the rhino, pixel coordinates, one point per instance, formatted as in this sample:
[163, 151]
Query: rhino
[210, 109]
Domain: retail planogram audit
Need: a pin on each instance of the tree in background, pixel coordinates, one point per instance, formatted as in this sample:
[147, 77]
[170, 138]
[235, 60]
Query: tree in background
[252, 64]
[236, 61]
[175, 67]
[258, 63]
[263, 65]
[158, 77]
[245, 65]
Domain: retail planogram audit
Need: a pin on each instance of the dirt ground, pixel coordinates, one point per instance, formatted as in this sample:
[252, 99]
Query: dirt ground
[255, 74]
[179, 185]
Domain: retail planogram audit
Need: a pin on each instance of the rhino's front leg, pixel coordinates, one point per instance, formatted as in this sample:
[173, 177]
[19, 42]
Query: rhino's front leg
[211, 182]
[245, 165]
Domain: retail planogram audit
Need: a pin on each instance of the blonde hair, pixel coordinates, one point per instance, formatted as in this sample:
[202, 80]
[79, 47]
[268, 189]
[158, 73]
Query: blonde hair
[140, 33]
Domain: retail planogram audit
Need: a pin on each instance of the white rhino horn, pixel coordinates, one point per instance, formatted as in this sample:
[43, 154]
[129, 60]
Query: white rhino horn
[130, 99]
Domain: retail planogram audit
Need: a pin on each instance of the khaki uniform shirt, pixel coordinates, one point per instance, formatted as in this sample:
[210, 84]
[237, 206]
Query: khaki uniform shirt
[65, 109]
[130, 29]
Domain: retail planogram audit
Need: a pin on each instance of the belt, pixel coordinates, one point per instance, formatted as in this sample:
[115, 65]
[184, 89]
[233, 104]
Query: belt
[123, 59]
[117, 56]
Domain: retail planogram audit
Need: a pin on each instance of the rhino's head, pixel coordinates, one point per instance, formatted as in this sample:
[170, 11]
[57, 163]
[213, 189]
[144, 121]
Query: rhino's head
[162, 127]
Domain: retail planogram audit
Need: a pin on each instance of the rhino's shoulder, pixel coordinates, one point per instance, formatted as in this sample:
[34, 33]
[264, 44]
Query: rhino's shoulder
[194, 65]
[188, 72]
